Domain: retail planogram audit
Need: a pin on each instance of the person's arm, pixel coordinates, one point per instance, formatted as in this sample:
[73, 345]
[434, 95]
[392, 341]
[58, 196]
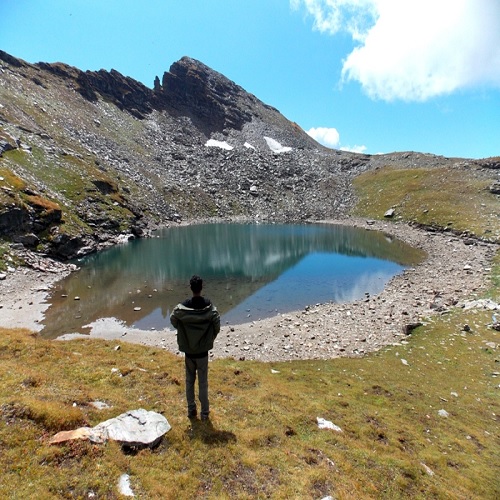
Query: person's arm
[173, 319]
[216, 322]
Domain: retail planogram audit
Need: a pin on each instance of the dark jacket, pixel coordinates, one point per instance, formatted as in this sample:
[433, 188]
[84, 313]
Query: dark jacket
[196, 328]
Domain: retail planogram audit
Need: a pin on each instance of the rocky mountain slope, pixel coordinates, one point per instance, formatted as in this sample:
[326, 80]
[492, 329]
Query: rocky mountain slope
[88, 157]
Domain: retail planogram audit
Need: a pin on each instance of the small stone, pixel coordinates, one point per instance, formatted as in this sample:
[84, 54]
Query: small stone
[99, 405]
[326, 424]
[427, 469]
[124, 486]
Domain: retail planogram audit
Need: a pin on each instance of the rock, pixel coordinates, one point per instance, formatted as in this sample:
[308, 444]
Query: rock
[14, 219]
[99, 405]
[135, 428]
[5, 146]
[67, 247]
[326, 424]
[124, 486]
[495, 188]
[28, 240]
[389, 213]
[427, 469]
[409, 327]
[105, 186]
[443, 413]
[64, 436]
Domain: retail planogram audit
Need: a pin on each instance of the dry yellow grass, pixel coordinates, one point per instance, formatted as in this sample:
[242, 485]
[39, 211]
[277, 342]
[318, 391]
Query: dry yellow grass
[263, 440]
[447, 197]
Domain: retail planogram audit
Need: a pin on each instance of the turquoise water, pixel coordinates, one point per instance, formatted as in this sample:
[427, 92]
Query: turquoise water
[250, 272]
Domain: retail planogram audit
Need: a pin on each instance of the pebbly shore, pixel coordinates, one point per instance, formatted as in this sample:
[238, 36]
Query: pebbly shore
[457, 269]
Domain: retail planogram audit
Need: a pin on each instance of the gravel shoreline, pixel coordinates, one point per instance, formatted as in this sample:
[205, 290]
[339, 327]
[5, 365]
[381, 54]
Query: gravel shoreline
[456, 269]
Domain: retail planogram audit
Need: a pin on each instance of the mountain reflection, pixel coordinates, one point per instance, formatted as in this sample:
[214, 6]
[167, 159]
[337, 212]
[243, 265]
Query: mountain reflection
[249, 270]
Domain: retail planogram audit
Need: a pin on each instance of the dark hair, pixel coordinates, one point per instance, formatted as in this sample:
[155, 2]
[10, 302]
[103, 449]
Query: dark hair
[196, 284]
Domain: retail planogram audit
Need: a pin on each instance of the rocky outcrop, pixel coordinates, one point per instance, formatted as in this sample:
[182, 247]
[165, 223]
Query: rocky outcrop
[126, 93]
[217, 104]
[213, 101]
[12, 219]
[492, 163]
[32, 214]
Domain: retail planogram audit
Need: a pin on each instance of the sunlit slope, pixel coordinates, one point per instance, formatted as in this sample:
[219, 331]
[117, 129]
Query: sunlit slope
[449, 197]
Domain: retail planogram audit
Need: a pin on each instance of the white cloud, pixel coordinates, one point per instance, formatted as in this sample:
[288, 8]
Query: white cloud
[354, 149]
[329, 137]
[415, 49]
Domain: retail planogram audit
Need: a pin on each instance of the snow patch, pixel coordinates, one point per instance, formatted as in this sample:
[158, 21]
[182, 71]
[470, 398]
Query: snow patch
[276, 146]
[248, 145]
[218, 144]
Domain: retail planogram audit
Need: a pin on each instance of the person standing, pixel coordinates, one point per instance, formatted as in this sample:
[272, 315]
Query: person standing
[198, 323]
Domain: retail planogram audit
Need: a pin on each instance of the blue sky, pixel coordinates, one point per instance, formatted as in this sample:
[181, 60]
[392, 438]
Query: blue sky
[375, 76]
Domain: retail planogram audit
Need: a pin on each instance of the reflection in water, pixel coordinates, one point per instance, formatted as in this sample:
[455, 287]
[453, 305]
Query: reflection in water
[250, 272]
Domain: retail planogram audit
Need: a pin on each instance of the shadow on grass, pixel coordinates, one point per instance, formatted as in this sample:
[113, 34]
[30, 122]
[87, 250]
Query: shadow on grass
[208, 434]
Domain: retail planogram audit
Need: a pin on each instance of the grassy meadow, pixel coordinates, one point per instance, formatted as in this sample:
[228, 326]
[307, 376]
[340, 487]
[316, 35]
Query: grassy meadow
[263, 440]
[447, 197]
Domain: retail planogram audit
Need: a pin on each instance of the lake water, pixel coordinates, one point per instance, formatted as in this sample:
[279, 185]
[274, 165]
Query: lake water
[250, 272]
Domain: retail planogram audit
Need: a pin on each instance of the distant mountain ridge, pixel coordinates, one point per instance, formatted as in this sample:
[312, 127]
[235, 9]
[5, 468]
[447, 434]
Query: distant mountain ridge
[190, 88]
[90, 157]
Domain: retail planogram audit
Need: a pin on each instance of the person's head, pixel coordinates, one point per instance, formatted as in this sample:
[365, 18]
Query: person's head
[196, 284]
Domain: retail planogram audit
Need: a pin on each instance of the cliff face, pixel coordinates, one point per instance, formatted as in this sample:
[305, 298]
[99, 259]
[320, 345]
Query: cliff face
[90, 157]
[216, 104]
[212, 102]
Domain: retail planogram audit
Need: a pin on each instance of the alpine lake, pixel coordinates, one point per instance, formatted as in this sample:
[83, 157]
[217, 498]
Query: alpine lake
[250, 272]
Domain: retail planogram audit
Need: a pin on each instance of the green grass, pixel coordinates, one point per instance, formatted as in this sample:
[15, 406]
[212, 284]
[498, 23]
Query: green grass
[70, 181]
[446, 197]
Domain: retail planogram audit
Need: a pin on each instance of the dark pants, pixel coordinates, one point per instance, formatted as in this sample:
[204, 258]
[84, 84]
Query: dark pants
[196, 366]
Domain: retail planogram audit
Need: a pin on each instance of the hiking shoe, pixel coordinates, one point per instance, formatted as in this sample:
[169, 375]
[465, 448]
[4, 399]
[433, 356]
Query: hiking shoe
[204, 416]
[192, 414]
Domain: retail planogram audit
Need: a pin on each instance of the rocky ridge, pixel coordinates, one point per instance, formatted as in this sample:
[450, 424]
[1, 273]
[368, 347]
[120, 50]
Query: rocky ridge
[88, 158]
